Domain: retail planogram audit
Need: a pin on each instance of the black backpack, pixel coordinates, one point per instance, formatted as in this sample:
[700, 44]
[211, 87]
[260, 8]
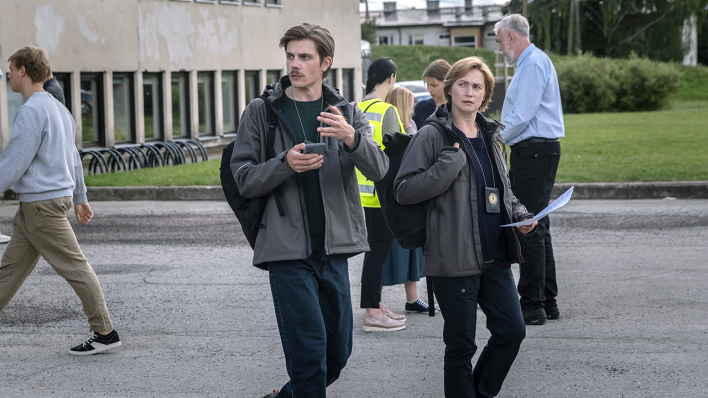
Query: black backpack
[249, 211]
[406, 222]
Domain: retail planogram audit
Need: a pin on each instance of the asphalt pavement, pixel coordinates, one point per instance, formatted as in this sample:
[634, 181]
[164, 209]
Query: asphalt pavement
[197, 320]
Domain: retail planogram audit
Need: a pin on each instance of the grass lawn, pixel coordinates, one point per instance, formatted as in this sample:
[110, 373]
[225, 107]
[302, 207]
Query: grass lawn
[601, 147]
[206, 173]
[667, 145]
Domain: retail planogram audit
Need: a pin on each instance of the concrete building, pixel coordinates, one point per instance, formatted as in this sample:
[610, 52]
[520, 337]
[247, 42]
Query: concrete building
[154, 70]
[469, 26]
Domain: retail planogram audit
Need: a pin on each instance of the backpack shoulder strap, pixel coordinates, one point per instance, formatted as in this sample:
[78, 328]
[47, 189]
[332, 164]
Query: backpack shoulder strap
[270, 142]
[443, 130]
[272, 126]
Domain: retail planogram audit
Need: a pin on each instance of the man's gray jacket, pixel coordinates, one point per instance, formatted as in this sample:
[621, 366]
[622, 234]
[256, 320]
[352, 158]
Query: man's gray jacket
[430, 169]
[287, 237]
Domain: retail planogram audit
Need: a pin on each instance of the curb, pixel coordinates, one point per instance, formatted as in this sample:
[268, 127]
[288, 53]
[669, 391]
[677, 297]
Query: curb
[631, 190]
[635, 190]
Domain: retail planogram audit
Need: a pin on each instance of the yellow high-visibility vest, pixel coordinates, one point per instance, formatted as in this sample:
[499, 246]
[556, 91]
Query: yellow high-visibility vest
[374, 109]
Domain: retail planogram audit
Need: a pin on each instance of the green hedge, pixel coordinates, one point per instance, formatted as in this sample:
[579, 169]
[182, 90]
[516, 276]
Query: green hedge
[412, 60]
[590, 84]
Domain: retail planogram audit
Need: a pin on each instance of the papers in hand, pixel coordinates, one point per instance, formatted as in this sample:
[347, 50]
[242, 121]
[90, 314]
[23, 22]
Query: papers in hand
[557, 204]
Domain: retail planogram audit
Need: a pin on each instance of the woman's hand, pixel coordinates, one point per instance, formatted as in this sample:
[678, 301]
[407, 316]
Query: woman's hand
[526, 229]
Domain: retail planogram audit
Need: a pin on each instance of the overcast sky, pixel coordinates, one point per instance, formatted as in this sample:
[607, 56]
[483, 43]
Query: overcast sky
[402, 4]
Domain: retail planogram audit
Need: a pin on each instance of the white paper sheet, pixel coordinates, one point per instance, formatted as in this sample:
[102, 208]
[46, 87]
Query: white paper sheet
[557, 204]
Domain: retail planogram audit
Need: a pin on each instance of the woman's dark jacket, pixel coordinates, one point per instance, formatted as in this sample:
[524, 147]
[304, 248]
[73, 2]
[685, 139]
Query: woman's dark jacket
[430, 169]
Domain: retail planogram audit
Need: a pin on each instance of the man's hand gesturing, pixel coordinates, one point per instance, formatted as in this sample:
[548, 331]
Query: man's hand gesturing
[303, 162]
[338, 127]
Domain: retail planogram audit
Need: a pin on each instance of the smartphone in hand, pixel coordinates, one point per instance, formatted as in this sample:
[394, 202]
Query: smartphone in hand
[316, 148]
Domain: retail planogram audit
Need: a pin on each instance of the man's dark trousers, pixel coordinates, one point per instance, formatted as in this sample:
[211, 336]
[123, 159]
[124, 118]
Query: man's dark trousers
[495, 292]
[532, 174]
[313, 308]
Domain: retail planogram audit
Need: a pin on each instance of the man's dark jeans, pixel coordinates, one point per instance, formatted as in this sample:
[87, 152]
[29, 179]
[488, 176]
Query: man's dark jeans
[495, 292]
[313, 307]
[532, 174]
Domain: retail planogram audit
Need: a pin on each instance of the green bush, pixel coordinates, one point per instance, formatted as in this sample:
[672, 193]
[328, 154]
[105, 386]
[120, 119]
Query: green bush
[590, 84]
[587, 84]
[645, 85]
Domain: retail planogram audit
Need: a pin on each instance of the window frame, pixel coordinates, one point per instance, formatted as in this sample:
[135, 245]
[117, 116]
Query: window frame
[256, 74]
[130, 107]
[446, 38]
[210, 113]
[234, 90]
[464, 44]
[100, 109]
[64, 80]
[159, 134]
[187, 111]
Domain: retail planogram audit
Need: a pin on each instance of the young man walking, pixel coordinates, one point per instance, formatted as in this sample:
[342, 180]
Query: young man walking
[313, 220]
[533, 116]
[42, 162]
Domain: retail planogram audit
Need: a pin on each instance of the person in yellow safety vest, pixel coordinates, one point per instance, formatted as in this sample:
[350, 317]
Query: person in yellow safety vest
[383, 119]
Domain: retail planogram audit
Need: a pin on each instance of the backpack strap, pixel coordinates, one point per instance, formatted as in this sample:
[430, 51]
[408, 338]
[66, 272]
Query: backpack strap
[270, 142]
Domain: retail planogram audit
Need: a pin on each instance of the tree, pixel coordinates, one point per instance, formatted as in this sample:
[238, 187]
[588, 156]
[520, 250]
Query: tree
[368, 31]
[615, 28]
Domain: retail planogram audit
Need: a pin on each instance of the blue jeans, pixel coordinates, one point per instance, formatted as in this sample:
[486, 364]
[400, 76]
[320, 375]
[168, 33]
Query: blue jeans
[313, 307]
[495, 292]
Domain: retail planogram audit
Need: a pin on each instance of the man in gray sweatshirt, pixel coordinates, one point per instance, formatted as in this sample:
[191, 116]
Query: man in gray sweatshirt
[42, 162]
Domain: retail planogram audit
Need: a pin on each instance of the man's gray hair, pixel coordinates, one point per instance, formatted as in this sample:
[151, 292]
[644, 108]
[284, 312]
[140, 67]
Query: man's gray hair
[513, 22]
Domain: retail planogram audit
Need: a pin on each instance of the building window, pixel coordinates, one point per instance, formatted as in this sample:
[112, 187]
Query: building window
[331, 79]
[152, 105]
[415, 39]
[348, 84]
[229, 93]
[64, 80]
[272, 76]
[253, 86]
[252, 3]
[205, 102]
[206, 1]
[92, 109]
[465, 41]
[230, 2]
[444, 36]
[273, 3]
[14, 102]
[180, 104]
[384, 40]
[123, 110]
[491, 35]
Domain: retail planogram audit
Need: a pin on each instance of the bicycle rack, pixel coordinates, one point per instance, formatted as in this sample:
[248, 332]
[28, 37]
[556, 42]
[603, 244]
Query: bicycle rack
[199, 146]
[154, 156]
[97, 160]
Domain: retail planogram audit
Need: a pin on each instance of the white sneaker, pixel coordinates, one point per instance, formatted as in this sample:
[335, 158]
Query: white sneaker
[4, 238]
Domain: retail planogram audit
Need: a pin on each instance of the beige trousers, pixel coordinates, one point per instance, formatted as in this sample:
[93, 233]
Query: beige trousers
[42, 229]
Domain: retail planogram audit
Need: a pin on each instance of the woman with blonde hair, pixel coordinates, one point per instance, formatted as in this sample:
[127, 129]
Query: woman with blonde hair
[469, 254]
[403, 100]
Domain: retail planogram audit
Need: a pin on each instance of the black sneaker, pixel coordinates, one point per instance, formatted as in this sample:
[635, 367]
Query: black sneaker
[553, 313]
[96, 343]
[419, 306]
[535, 317]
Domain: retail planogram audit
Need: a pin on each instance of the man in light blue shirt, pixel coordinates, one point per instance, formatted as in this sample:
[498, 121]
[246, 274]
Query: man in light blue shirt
[533, 116]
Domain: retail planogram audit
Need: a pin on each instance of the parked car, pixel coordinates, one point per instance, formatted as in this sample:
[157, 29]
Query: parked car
[417, 87]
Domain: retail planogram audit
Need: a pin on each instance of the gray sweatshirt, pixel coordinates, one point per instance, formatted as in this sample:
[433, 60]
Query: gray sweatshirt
[41, 159]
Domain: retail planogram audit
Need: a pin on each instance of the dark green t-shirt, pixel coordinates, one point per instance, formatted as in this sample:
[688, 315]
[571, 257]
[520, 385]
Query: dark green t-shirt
[309, 111]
